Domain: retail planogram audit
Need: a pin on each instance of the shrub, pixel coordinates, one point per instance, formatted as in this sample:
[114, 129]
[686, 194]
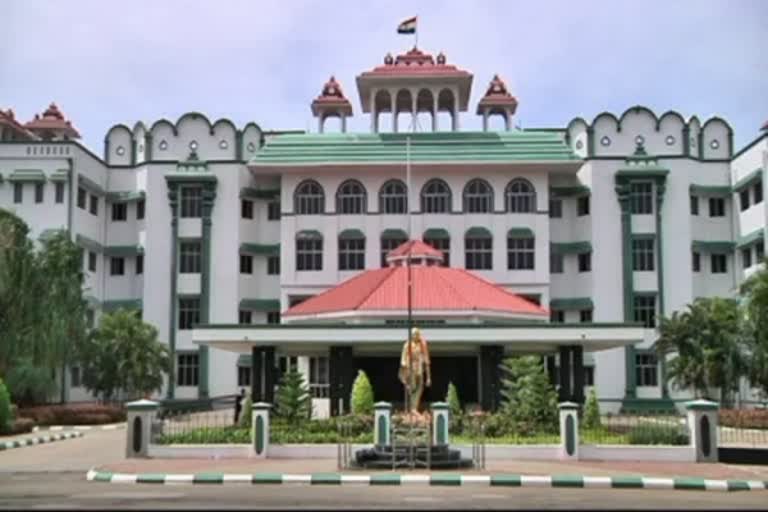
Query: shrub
[362, 394]
[22, 425]
[454, 407]
[246, 414]
[74, 414]
[293, 401]
[591, 419]
[657, 434]
[529, 400]
[6, 414]
[744, 418]
[30, 384]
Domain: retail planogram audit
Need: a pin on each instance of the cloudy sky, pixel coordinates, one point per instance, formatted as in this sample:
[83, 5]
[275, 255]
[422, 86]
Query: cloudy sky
[108, 62]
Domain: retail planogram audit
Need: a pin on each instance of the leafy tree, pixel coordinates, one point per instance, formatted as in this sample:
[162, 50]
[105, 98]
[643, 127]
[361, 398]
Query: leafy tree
[6, 415]
[708, 342]
[362, 394]
[124, 353]
[529, 400]
[30, 384]
[591, 417]
[755, 292]
[293, 401]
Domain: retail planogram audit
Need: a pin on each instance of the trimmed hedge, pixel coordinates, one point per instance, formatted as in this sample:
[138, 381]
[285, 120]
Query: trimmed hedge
[74, 414]
[744, 418]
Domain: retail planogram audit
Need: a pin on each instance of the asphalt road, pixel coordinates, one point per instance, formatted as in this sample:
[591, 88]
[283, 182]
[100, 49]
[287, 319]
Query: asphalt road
[70, 490]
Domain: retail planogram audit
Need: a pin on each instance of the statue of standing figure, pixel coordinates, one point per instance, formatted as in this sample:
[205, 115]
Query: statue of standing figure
[415, 371]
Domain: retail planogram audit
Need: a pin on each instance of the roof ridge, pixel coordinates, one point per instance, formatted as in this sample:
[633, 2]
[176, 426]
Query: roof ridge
[500, 288]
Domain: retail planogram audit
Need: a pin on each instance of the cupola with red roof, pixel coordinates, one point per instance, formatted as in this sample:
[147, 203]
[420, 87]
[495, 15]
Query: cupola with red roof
[331, 103]
[414, 82]
[497, 101]
[52, 125]
[437, 292]
[11, 129]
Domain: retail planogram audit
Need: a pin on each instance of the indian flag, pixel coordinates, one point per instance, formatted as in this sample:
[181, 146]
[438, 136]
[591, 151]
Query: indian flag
[407, 27]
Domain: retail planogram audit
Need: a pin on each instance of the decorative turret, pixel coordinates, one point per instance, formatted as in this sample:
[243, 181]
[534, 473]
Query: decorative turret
[11, 129]
[331, 103]
[420, 254]
[52, 125]
[497, 101]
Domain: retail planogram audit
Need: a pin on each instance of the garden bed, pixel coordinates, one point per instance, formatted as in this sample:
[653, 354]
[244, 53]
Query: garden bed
[73, 414]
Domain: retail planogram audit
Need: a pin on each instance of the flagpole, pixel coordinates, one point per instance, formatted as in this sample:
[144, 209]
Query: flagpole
[408, 264]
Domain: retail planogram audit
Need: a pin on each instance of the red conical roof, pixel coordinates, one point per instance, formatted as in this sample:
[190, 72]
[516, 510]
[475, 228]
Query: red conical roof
[52, 120]
[332, 100]
[497, 95]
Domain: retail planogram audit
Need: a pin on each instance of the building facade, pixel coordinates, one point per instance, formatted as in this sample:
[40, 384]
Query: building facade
[619, 220]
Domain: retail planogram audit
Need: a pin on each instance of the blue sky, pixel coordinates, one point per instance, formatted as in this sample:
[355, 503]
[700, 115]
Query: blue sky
[109, 62]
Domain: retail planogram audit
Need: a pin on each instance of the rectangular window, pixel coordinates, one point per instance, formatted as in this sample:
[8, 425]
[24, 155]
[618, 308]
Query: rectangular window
[643, 255]
[273, 210]
[189, 312]
[758, 188]
[478, 253]
[759, 251]
[246, 264]
[641, 198]
[351, 253]
[520, 253]
[18, 192]
[119, 212]
[82, 198]
[140, 205]
[75, 377]
[244, 376]
[589, 375]
[273, 317]
[59, 192]
[139, 264]
[39, 190]
[187, 369]
[555, 208]
[117, 266]
[191, 202]
[273, 265]
[91, 261]
[585, 262]
[309, 254]
[585, 316]
[582, 206]
[645, 310]
[557, 316]
[244, 317]
[287, 363]
[94, 205]
[746, 257]
[719, 263]
[443, 245]
[696, 261]
[716, 207]
[744, 199]
[556, 262]
[646, 369]
[246, 209]
[319, 377]
[190, 257]
[694, 205]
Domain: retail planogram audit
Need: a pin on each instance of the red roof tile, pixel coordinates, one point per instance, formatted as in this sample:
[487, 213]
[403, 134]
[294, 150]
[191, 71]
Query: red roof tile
[417, 248]
[416, 62]
[434, 288]
[52, 119]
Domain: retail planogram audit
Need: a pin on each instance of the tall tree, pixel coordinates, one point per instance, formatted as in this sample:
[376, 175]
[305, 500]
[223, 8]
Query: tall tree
[528, 398]
[707, 342]
[755, 293]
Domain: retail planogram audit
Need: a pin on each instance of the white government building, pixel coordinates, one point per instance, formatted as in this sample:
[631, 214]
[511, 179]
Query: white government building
[603, 224]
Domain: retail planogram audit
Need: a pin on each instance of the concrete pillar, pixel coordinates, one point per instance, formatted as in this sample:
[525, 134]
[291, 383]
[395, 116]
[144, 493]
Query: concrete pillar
[393, 106]
[440, 424]
[414, 109]
[260, 429]
[343, 123]
[702, 425]
[320, 123]
[374, 114]
[382, 423]
[485, 120]
[507, 120]
[140, 415]
[569, 431]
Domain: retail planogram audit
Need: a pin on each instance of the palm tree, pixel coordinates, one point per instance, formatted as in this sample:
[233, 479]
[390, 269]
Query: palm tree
[755, 292]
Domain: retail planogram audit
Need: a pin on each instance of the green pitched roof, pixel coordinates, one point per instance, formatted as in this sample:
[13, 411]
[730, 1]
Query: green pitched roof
[751, 238]
[747, 180]
[260, 248]
[436, 233]
[394, 233]
[571, 303]
[435, 147]
[711, 190]
[520, 233]
[113, 305]
[265, 305]
[570, 247]
[712, 246]
[22, 175]
[255, 193]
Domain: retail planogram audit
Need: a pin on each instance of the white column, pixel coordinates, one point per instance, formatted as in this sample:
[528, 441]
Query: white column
[343, 123]
[374, 114]
[485, 120]
[140, 415]
[393, 103]
[320, 123]
[702, 425]
[260, 430]
[414, 110]
[507, 120]
[434, 111]
[569, 431]
[382, 419]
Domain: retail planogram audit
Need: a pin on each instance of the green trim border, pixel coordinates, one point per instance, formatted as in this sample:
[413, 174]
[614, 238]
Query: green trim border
[31, 441]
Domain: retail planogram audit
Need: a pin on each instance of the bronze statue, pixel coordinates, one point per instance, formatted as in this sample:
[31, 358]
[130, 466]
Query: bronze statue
[415, 371]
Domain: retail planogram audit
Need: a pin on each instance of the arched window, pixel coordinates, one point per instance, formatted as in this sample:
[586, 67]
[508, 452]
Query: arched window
[478, 249]
[436, 197]
[309, 198]
[520, 249]
[520, 197]
[351, 250]
[393, 197]
[391, 239]
[309, 250]
[478, 197]
[351, 198]
[440, 240]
